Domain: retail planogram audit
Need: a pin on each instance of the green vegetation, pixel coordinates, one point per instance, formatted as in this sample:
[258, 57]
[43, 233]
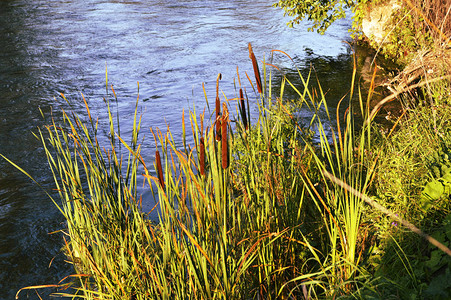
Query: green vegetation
[412, 181]
[417, 25]
[322, 13]
[261, 209]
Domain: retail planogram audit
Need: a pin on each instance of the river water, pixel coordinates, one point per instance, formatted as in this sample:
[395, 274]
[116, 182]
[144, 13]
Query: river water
[170, 47]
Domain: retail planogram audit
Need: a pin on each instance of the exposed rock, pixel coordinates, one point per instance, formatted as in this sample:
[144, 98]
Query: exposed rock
[375, 21]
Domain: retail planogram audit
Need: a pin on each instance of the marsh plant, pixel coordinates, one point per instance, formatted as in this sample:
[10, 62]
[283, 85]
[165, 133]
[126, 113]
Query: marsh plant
[248, 211]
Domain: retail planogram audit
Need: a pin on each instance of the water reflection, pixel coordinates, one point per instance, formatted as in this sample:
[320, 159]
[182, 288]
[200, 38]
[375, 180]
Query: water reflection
[170, 47]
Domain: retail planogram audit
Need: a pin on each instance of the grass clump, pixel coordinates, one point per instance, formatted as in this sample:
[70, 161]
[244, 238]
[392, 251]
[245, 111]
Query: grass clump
[413, 181]
[266, 208]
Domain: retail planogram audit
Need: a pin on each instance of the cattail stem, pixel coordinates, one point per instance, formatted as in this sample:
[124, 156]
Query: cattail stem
[224, 143]
[159, 168]
[202, 156]
[256, 70]
[243, 110]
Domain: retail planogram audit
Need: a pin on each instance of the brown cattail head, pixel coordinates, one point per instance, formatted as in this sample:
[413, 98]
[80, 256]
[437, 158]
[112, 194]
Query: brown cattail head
[243, 110]
[159, 168]
[224, 142]
[218, 109]
[218, 119]
[256, 70]
[217, 84]
[202, 156]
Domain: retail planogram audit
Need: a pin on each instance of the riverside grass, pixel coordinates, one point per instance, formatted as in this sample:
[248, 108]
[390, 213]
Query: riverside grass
[269, 224]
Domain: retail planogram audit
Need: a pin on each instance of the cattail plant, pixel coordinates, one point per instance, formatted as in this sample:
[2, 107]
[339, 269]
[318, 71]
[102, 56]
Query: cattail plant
[256, 70]
[159, 168]
[218, 109]
[243, 110]
[237, 233]
[202, 156]
[224, 145]
[218, 119]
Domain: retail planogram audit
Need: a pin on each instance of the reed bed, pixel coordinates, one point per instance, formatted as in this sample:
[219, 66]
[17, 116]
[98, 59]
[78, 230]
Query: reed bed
[247, 212]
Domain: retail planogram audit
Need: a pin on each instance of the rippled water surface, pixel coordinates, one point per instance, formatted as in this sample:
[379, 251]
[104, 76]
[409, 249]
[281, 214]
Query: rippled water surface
[170, 47]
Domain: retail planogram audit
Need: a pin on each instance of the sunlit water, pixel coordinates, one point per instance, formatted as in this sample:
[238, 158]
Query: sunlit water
[170, 47]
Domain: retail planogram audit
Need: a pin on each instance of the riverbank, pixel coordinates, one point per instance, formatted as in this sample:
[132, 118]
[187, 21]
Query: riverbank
[414, 35]
[411, 47]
